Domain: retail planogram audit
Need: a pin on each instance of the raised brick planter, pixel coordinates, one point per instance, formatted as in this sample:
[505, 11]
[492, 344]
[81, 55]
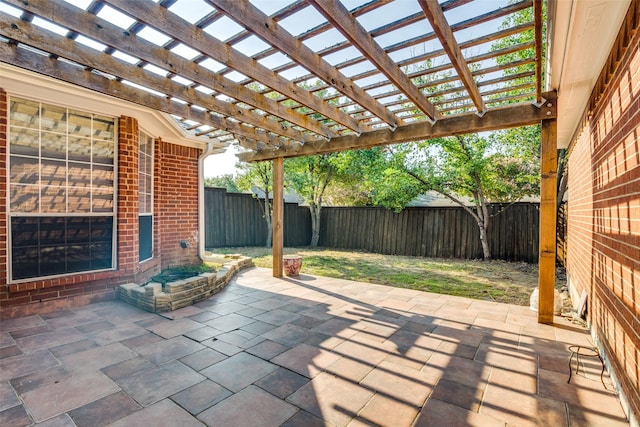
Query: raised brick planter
[155, 298]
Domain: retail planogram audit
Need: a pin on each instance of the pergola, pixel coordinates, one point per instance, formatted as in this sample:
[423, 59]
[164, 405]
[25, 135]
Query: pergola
[304, 77]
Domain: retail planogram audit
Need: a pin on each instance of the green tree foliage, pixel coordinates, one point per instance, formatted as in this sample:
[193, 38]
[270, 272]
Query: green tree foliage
[227, 181]
[259, 175]
[499, 168]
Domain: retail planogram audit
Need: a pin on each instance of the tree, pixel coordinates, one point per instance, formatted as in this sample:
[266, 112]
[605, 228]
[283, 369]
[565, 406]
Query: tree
[499, 168]
[227, 181]
[260, 176]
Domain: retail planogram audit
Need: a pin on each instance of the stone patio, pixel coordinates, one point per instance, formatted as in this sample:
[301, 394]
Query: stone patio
[309, 351]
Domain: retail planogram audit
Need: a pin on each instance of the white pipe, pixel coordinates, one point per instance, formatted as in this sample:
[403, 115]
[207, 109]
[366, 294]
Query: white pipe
[206, 153]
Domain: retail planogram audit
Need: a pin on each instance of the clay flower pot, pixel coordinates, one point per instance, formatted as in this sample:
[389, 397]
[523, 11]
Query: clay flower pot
[292, 264]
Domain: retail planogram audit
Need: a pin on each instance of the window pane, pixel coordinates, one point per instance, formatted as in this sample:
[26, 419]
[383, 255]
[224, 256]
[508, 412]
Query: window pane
[101, 256]
[54, 199]
[145, 237]
[52, 231]
[54, 145]
[53, 172]
[79, 258]
[78, 230]
[24, 141]
[79, 149]
[24, 113]
[24, 232]
[25, 262]
[103, 152]
[53, 118]
[52, 260]
[103, 128]
[79, 199]
[24, 198]
[79, 123]
[24, 170]
[79, 175]
[102, 177]
[103, 200]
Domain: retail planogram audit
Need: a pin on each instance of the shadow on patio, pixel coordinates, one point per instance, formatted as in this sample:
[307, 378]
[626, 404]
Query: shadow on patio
[300, 352]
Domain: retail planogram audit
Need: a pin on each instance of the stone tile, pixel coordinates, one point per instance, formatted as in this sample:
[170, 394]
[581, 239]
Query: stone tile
[8, 397]
[188, 311]
[250, 407]
[62, 420]
[470, 337]
[204, 316]
[364, 351]
[331, 398]
[34, 330]
[240, 338]
[350, 369]
[39, 378]
[226, 308]
[15, 416]
[10, 351]
[464, 371]
[95, 326]
[73, 347]
[201, 396]
[307, 322]
[282, 382]
[6, 340]
[222, 347]
[10, 325]
[96, 358]
[122, 332]
[306, 360]
[288, 335]
[514, 360]
[250, 311]
[162, 414]
[581, 416]
[70, 393]
[238, 371]
[277, 317]
[203, 359]
[267, 349]
[152, 385]
[139, 341]
[171, 349]
[121, 312]
[229, 322]
[50, 339]
[257, 327]
[304, 419]
[387, 412]
[400, 383]
[203, 333]
[18, 366]
[532, 410]
[269, 304]
[127, 368]
[74, 319]
[434, 411]
[458, 394]
[104, 411]
[175, 327]
[525, 383]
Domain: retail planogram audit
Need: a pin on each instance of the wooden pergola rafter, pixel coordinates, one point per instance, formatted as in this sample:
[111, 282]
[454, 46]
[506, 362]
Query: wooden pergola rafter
[309, 78]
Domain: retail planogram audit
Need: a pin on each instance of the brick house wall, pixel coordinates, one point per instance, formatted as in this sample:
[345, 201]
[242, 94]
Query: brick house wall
[175, 219]
[603, 229]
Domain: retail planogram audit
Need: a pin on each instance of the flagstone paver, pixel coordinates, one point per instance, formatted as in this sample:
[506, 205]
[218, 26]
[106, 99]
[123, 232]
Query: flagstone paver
[303, 352]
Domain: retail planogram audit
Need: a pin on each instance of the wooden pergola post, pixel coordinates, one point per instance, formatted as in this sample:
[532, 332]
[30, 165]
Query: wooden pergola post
[547, 258]
[278, 215]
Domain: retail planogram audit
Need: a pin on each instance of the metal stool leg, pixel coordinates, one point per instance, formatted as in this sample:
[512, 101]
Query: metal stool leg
[570, 368]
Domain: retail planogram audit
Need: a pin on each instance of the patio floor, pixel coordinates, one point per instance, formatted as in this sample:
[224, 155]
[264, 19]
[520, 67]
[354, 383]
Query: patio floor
[311, 351]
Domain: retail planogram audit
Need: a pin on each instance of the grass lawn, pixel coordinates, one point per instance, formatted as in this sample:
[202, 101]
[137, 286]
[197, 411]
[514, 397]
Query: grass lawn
[501, 281]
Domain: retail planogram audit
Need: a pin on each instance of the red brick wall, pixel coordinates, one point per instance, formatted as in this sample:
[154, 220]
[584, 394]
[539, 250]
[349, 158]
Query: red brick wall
[175, 219]
[176, 202]
[603, 229]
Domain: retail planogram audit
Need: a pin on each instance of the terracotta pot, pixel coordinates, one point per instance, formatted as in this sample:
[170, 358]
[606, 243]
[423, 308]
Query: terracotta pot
[292, 264]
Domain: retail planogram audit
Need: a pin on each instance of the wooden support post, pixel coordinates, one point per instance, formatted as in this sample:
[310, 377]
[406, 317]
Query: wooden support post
[548, 212]
[278, 215]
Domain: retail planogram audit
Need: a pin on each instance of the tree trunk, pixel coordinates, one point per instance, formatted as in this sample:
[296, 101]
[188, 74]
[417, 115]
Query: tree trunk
[267, 218]
[315, 224]
[486, 252]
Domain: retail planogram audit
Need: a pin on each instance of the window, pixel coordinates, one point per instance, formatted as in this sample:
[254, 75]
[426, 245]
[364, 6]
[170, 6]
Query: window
[61, 190]
[145, 196]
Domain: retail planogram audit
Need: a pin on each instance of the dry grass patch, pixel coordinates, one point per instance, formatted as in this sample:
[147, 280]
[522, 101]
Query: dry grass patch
[501, 281]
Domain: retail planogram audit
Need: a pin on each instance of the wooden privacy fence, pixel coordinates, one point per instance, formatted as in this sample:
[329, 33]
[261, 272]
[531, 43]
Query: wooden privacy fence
[234, 219]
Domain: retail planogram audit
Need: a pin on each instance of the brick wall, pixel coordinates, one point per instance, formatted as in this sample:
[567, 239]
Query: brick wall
[603, 229]
[175, 219]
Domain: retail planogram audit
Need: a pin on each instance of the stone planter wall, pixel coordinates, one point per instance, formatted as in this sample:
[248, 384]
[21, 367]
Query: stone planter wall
[155, 298]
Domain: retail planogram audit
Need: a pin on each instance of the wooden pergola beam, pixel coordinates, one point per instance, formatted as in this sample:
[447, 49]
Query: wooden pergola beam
[548, 217]
[277, 221]
[99, 29]
[60, 70]
[494, 119]
[31, 35]
[441, 28]
[224, 53]
[342, 20]
[537, 19]
[268, 29]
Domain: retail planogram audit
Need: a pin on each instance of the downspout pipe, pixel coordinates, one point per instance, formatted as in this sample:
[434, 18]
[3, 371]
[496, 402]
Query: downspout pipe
[201, 223]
